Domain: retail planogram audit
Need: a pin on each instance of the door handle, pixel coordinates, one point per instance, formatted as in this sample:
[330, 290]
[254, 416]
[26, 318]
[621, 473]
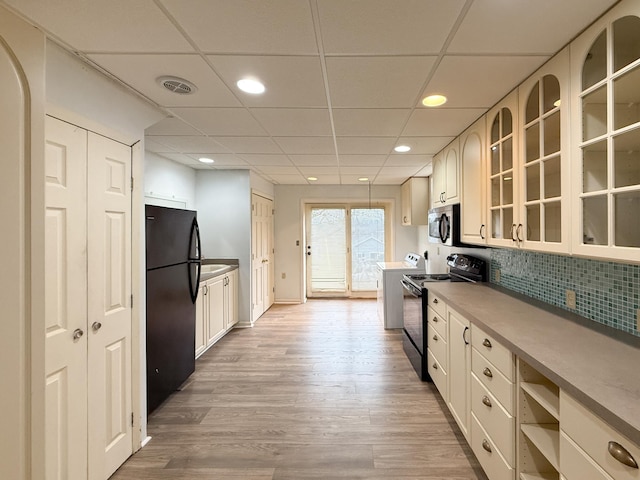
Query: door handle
[77, 333]
[96, 326]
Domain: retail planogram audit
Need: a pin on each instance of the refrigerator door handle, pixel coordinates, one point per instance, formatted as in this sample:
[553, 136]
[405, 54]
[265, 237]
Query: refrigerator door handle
[193, 287]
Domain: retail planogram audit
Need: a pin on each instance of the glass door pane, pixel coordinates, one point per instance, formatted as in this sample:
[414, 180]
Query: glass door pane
[328, 250]
[367, 246]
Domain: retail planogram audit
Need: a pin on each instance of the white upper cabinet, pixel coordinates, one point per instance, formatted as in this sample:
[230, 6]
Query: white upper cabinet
[415, 201]
[472, 198]
[445, 176]
[502, 173]
[543, 166]
[605, 82]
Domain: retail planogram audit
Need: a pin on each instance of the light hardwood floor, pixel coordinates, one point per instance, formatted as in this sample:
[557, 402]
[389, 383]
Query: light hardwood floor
[316, 391]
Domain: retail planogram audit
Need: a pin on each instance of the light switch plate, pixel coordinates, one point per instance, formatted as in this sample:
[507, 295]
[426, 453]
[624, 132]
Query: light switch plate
[571, 299]
[498, 275]
[638, 319]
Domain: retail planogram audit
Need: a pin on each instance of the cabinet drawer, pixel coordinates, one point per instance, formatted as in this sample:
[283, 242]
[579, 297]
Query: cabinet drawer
[495, 420]
[438, 348]
[575, 464]
[438, 375]
[593, 435]
[500, 356]
[493, 463]
[438, 323]
[438, 305]
[493, 379]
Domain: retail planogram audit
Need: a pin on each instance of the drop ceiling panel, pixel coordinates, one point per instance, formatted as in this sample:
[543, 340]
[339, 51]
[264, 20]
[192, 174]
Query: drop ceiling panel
[294, 122]
[354, 180]
[492, 76]
[142, 72]
[524, 27]
[389, 180]
[278, 170]
[183, 159]
[171, 126]
[319, 160]
[377, 82]
[189, 143]
[441, 121]
[289, 179]
[221, 121]
[362, 160]
[152, 146]
[91, 26]
[405, 172]
[361, 171]
[249, 144]
[384, 27]
[365, 145]
[223, 160]
[306, 145]
[247, 26]
[429, 145]
[262, 160]
[408, 160]
[289, 81]
[319, 172]
[371, 122]
[325, 180]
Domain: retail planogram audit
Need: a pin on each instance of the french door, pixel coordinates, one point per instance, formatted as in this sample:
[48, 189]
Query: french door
[343, 244]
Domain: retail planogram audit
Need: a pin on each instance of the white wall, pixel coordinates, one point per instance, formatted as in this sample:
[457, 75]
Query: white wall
[166, 179]
[289, 225]
[223, 201]
[259, 184]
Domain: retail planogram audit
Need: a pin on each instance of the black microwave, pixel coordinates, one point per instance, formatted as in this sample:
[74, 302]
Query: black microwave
[444, 225]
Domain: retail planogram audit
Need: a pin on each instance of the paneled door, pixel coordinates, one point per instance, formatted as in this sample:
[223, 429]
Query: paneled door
[109, 313]
[262, 256]
[88, 303]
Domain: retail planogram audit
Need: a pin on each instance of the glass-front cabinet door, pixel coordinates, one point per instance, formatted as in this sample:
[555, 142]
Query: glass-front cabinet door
[544, 178]
[502, 192]
[606, 133]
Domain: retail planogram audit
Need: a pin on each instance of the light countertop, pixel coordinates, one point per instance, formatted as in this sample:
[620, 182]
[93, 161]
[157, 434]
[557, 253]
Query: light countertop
[597, 365]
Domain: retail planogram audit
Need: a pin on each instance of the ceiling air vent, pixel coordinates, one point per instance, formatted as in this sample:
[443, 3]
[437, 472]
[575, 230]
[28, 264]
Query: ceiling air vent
[177, 85]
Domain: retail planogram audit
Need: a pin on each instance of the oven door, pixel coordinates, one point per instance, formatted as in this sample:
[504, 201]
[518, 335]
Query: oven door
[412, 313]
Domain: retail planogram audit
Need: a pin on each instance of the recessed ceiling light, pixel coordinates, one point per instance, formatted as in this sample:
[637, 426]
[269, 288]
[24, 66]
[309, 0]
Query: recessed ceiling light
[434, 100]
[363, 179]
[402, 148]
[206, 160]
[250, 85]
[312, 179]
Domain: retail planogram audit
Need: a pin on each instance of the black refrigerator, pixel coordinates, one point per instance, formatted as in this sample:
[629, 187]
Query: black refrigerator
[173, 274]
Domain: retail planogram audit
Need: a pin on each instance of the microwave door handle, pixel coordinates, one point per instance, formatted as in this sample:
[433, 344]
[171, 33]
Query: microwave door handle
[443, 228]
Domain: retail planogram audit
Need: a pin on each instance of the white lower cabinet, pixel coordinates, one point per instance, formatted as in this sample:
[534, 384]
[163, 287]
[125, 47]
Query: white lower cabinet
[459, 369]
[216, 309]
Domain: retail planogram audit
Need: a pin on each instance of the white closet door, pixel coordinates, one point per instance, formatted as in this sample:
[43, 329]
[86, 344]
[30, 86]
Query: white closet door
[65, 301]
[109, 326]
[261, 255]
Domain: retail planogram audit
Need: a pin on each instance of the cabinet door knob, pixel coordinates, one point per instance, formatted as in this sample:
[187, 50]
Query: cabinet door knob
[486, 445]
[435, 366]
[513, 232]
[96, 326]
[486, 401]
[77, 333]
[487, 343]
[482, 227]
[487, 373]
[435, 319]
[404, 219]
[435, 300]
[435, 338]
[622, 455]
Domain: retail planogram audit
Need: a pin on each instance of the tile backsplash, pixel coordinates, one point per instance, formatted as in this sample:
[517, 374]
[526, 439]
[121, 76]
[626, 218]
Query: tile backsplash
[606, 292]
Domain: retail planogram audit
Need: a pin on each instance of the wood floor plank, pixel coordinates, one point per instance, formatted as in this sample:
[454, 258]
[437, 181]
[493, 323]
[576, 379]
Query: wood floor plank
[313, 391]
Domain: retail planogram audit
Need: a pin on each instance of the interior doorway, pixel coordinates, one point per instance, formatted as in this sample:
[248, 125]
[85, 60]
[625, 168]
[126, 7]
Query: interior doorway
[342, 246]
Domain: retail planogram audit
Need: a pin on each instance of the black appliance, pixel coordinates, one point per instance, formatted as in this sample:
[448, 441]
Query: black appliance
[173, 274]
[444, 226]
[462, 268]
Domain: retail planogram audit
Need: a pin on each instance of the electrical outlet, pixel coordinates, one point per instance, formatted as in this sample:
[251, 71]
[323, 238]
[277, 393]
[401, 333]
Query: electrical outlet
[284, 275]
[571, 299]
[638, 320]
[497, 275]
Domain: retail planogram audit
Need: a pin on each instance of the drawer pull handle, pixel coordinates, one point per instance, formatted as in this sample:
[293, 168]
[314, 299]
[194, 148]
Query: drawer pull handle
[435, 300]
[435, 338]
[487, 373]
[487, 401]
[487, 343]
[486, 445]
[435, 366]
[435, 319]
[621, 454]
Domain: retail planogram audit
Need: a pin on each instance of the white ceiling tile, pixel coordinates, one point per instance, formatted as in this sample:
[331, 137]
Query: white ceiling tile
[247, 26]
[183, 159]
[428, 145]
[362, 171]
[113, 26]
[355, 180]
[260, 160]
[278, 170]
[315, 171]
[390, 180]
[377, 82]
[289, 179]
[142, 73]
[319, 160]
[408, 160]
[249, 144]
[294, 122]
[370, 122]
[306, 145]
[362, 160]
[326, 180]
[188, 143]
[171, 126]
[399, 171]
[543, 26]
[221, 121]
[493, 77]
[384, 27]
[222, 160]
[156, 147]
[289, 81]
[426, 171]
[365, 145]
[435, 122]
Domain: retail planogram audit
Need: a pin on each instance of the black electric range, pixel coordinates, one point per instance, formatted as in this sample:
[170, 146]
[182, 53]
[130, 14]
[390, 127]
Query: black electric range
[462, 268]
